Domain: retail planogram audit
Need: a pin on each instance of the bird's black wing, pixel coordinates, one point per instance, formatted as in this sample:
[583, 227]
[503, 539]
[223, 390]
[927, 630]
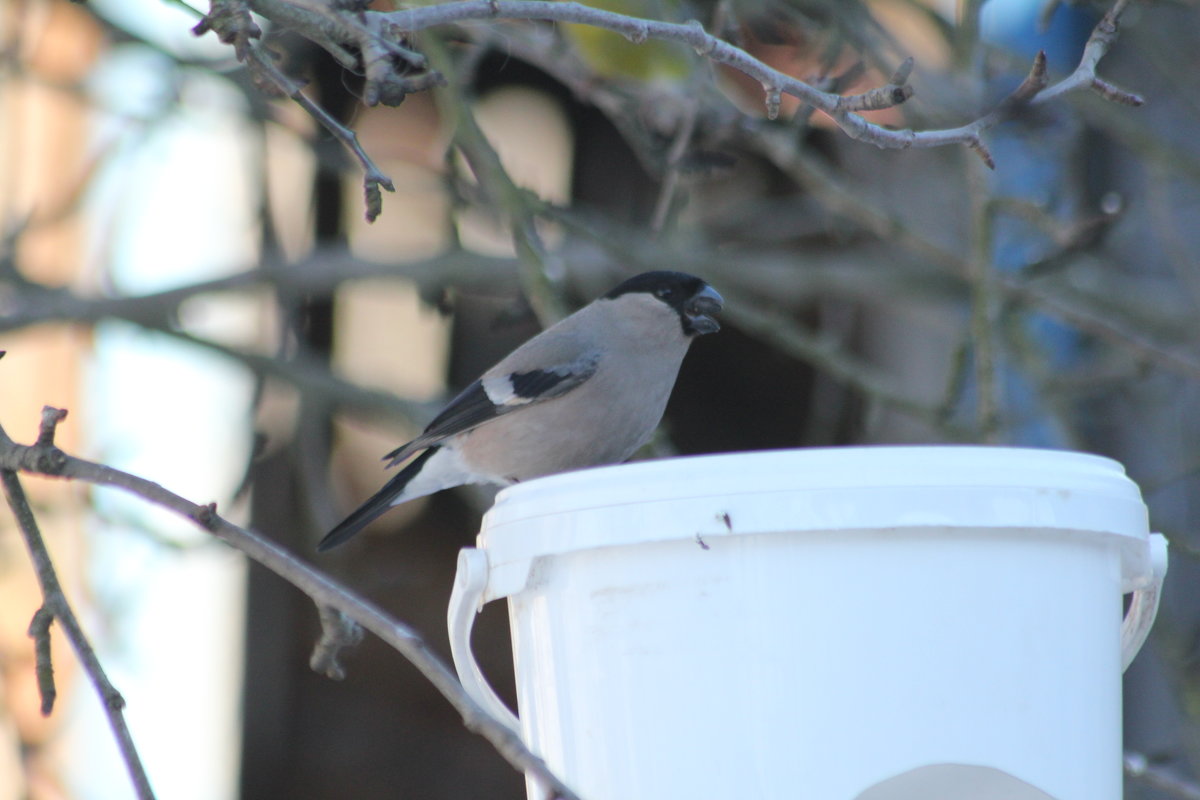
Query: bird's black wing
[491, 397]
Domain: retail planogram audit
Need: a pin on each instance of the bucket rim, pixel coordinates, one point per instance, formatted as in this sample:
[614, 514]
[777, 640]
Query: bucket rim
[855, 466]
[831, 488]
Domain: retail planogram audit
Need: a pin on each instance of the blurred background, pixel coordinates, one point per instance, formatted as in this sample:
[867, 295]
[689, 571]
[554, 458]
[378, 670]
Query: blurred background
[186, 267]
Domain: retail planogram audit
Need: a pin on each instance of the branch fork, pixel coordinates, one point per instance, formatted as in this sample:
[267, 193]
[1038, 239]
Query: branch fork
[45, 458]
[376, 42]
[343, 613]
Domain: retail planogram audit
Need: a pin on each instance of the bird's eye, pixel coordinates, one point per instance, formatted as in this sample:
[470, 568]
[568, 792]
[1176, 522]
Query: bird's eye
[662, 293]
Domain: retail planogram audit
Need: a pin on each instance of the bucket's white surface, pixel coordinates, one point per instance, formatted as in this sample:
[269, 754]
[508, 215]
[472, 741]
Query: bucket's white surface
[877, 623]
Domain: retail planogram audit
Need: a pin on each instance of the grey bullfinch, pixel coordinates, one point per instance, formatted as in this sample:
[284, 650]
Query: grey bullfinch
[586, 391]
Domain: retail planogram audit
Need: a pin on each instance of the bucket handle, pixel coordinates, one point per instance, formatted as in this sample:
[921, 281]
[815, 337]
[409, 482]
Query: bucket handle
[471, 581]
[1143, 608]
[466, 600]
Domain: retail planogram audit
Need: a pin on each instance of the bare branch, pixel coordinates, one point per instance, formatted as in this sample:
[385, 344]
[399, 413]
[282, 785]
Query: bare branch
[830, 356]
[1138, 767]
[1046, 14]
[976, 145]
[350, 23]
[836, 83]
[322, 589]
[517, 204]
[1110, 92]
[373, 177]
[55, 605]
[1084, 76]
[842, 110]
[670, 182]
[380, 41]
[692, 33]
[894, 93]
[325, 29]
[322, 271]
[981, 280]
[338, 633]
[49, 425]
[1020, 97]
[1105, 329]
[230, 20]
[39, 631]
[1034, 82]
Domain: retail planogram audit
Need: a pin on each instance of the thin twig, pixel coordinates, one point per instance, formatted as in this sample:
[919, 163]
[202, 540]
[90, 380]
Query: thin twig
[670, 181]
[981, 278]
[323, 270]
[373, 177]
[380, 39]
[356, 40]
[780, 331]
[338, 632]
[519, 205]
[49, 460]
[896, 91]
[839, 197]
[841, 109]
[637, 29]
[686, 128]
[351, 26]
[1105, 329]
[1046, 14]
[1139, 768]
[39, 631]
[55, 605]
[1084, 76]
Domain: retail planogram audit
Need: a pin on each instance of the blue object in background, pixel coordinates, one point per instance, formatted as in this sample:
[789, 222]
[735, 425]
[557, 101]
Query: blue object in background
[1036, 155]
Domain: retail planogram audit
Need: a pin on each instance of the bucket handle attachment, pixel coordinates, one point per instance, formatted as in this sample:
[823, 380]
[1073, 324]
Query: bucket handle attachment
[466, 600]
[1143, 608]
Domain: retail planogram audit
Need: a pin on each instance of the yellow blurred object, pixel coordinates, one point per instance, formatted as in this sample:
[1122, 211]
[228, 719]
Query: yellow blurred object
[612, 55]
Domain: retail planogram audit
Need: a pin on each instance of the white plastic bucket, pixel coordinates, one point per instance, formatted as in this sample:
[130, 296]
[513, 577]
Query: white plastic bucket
[880, 623]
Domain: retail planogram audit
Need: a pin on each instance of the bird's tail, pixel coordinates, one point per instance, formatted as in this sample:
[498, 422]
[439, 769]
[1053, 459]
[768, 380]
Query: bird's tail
[373, 508]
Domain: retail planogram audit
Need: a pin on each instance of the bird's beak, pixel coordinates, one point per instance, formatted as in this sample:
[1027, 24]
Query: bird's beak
[701, 308]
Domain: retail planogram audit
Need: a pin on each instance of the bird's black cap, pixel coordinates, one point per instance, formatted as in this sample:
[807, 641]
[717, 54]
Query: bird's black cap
[693, 300]
[664, 284]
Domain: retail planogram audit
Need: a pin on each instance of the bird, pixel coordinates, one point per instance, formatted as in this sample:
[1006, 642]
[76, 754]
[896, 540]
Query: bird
[589, 390]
